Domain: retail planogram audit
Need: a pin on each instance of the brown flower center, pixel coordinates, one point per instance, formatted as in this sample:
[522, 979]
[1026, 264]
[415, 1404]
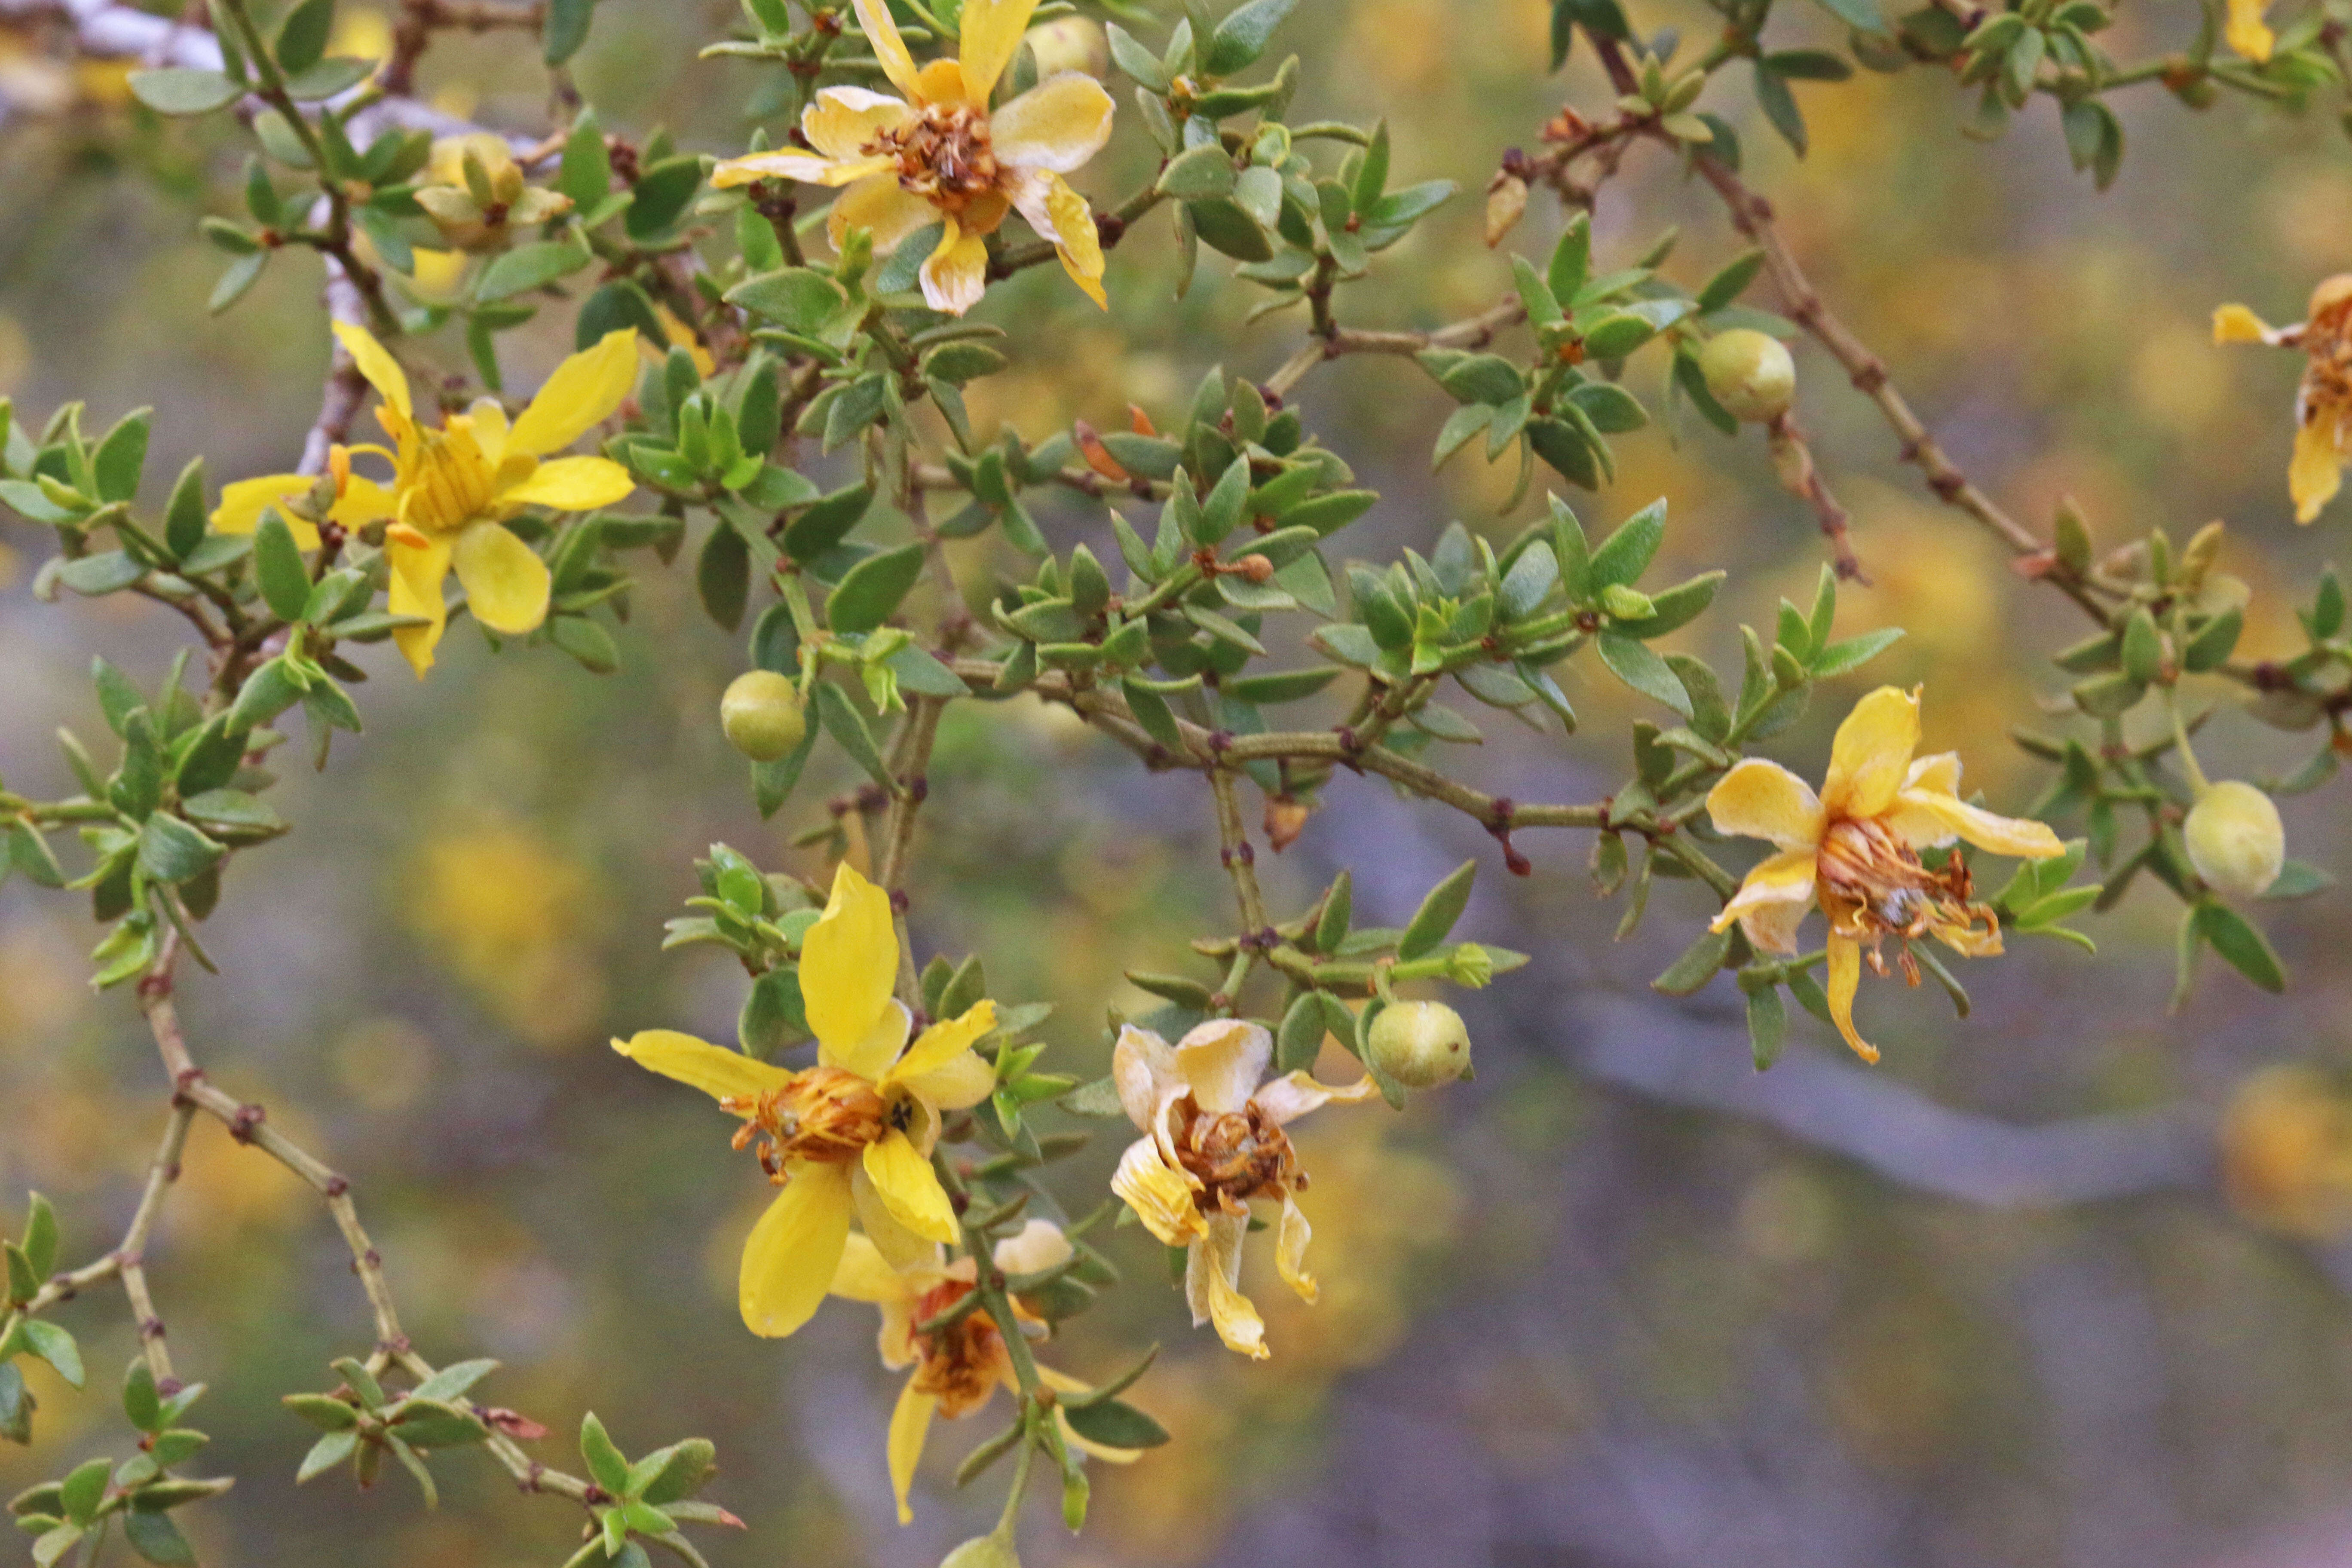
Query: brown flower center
[961, 1364]
[1237, 1156]
[944, 153]
[822, 1113]
[1873, 885]
[2327, 392]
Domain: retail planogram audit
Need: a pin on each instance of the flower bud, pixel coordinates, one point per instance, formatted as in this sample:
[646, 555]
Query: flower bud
[1472, 966]
[761, 715]
[1750, 373]
[1505, 202]
[1420, 1044]
[2235, 840]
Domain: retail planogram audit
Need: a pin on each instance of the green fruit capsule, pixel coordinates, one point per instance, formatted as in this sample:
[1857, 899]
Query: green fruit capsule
[761, 715]
[2235, 839]
[1420, 1044]
[1750, 373]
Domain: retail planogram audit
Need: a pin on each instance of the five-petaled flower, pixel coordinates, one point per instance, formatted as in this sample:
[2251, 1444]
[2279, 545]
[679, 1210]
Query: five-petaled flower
[2322, 403]
[1213, 1139]
[941, 156]
[454, 489]
[1854, 850]
[960, 1364]
[852, 1135]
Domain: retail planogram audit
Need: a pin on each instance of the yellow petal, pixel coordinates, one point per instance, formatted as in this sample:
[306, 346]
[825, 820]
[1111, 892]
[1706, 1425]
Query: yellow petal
[900, 1248]
[849, 960]
[419, 563]
[909, 1187]
[956, 274]
[2317, 468]
[1057, 125]
[1036, 1246]
[991, 32]
[715, 1070]
[376, 364]
[881, 206]
[1872, 753]
[436, 275]
[845, 121]
[363, 502]
[1223, 1060]
[2246, 32]
[1211, 1276]
[1143, 1070]
[505, 580]
[940, 81]
[1290, 1252]
[242, 503]
[790, 1257]
[1843, 980]
[943, 1043]
[963, 1079]
[882, 37]
[1760, 799]
[910, 1426]
[2236, 324]
[1786, 878]
[585, 390]
[1059, 214]
[865, 1274]
[1158, 1195]
[787, 163]
[1926, 818]
[572, 484]
[1294, 1094]
[1940, 772]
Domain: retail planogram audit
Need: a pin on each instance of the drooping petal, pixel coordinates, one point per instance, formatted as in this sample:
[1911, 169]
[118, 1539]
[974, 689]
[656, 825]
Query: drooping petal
[909, 1187]
[943, 1043]
[1290, 1251]
[881, 205]
[2236, 324]
[903, 1249]
[363, 502]
[1223, 1061]
[1060, 214]
[783, 164]
[1872, 752]
[1158, 1194]
[1761, 799]
[1142, 1068]
[378, 367]
[1783, 879]
[1057, 125]
[1926, 818]
[882, 37]
[243, 501]
[2316, 470]
[2248, 34]
[790, 1254]
[715, 1070]
[1036, 1247]
[955, 275]
[419, 563]
[1940, 772]
[1845, 978]
[963, 1079]
[1772, 928]
[584, 391]
[865, 1274]
[506, 583]
[1294, 1094]
[1212, 1269]
[572, 484]
[849, 960]
[844, 121]
[992, 33]
[910, 1426]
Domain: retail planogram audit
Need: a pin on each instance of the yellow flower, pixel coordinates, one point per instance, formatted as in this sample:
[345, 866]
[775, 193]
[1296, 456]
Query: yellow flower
[2246, 31]
[850, 1135]
[1212, 1139]
[1855, 849]
[454, 488]
[940, 153]
[2322, 403]
[957, 1368]
[475, 195]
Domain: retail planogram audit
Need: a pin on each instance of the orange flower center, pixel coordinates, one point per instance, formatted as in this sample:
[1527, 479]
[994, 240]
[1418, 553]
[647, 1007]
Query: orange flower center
[1237, 1156]
[823, 1114]
[1873, 885]
[944, 153]
[961, 1364]
[2327, 393]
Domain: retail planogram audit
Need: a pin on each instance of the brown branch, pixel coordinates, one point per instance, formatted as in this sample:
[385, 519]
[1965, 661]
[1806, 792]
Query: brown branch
[419, 19]
[1793, 460]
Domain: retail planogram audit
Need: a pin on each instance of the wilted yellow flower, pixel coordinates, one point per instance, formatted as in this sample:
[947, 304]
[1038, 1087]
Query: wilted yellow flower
[475, 195]
[1854, 850]
[2247, 33]
[958, 1366]
[850, 1135]
[1212, 1139]
[2322, 403]
[940, 153]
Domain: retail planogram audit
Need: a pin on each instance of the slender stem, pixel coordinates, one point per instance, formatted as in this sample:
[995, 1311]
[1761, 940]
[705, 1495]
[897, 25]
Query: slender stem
[1235, 850]
[2197, 782]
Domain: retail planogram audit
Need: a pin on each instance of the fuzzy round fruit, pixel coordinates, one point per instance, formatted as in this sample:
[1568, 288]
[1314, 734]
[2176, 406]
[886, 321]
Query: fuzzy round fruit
[1750, 373]
[1420, 1044]
[761, 715]
[2235, 839]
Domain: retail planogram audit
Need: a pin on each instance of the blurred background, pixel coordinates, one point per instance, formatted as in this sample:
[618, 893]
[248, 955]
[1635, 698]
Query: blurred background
[1620, 1302]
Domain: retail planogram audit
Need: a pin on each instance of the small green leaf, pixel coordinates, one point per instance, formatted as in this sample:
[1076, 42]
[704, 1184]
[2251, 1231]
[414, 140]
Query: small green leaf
[871, 590]
[1438, 911]
[277, 565]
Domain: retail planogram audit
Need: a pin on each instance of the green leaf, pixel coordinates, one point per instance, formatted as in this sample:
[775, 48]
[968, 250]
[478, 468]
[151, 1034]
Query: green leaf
[1197, 174]
[1572, 259]
[606, 1464]
[566, 29]
[180, 89]
[1241, 36]
[826, 524]
[1225, 225]
[325, 1454]
[669, 1475]
[1114, 1423]
[435, 1424]
[529, 267]
[1438, 911]
[171, 851]
[1768, 1025]
[848, 729]
[53, 1345]
[586, 174]
[1779, 106]
[722, 574]
[303, 37]
[40, 1242]
[278, 566]
[234, 280]
[871, 590]
[1644, 671]
[1624, 555]
[115, 467]
[1855, 651]
[155, 1537]
[184, 515]
[1696, 966]
[2244, 947]
[661, 194]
